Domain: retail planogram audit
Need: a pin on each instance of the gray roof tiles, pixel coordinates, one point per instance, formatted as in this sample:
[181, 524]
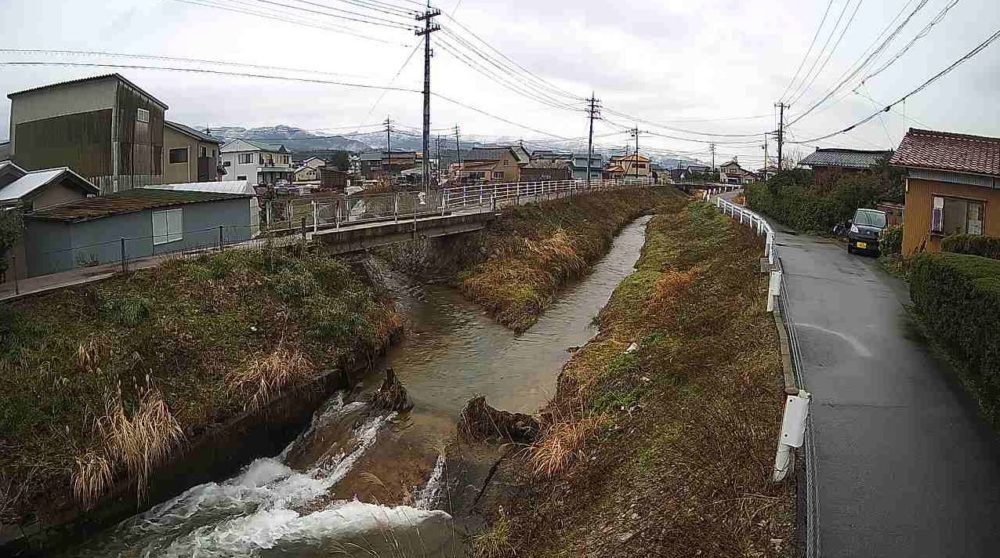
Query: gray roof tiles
[845, 158]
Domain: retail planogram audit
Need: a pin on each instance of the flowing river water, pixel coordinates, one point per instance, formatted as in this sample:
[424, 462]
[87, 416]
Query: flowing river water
[363, 483]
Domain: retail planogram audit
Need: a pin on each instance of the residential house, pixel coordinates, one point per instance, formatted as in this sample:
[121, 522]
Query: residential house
[4, 150]
[309, 170]
[258, 163]
[952, 187]
[151, 221]
[578, 167]
[830, 164]
[189, 155]
[634, 166]
[613, 171]
[545, 170]
[333, 179]
[35, 190]
[732, 173]
[551, 156]
[493, 164]
[105, 128]
[235, 187]
[379, 164]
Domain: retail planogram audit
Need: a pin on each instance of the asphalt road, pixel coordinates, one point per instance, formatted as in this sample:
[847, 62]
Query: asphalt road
[903, 465]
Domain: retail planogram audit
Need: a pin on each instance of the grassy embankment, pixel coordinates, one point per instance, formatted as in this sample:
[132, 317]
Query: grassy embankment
[668, 450]
[533, 251]
[102, 382]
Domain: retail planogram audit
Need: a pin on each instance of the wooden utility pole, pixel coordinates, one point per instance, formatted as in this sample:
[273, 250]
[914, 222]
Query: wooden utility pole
[388, 148]
[765, 157]
[781, 134]
[458, 154]
[711, 149]
[429, 27]
[635, 161]
[594, 111]
[438, 180]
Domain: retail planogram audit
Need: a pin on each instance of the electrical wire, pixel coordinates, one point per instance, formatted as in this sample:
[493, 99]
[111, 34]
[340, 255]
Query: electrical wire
[808, 51]
[920, 88]
[829, 55]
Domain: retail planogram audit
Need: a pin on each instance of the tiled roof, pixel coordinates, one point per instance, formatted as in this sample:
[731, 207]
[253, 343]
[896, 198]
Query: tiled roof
[128, 201]
[845, 158]
[947, 151]
[487, 153]
[201, 136]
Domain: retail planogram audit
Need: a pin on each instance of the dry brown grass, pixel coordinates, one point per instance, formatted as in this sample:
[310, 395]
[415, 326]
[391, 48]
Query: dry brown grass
[495, 542]
[562, 443]
[138, 442]
[92, 478]
[91, 353]
[262, 379]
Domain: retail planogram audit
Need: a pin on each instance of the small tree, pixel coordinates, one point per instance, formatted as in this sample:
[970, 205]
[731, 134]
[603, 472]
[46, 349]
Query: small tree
[10, 231]
[341, 160]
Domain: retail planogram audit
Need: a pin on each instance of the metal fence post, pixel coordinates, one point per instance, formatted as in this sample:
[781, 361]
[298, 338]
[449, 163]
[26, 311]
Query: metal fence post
[315, 217]
[291, 212]
[124, 261]
[268, 211]
[221, 242]
[303, 228]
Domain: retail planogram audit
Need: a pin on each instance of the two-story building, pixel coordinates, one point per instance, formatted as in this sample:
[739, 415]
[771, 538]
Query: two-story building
[105, 128]
[952, 187]
[633, 166]
[578, 167]
[257, 163]
[308, 170]
[732, 173]
[189, 155]
[493, 164]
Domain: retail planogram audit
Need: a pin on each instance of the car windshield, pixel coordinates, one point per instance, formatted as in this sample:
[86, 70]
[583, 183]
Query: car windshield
[870, 218]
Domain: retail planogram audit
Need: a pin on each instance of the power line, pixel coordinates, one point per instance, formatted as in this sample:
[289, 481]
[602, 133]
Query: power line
[922, 86]
[809, 50]
[921, 34]
[830, 53]
[351, 16]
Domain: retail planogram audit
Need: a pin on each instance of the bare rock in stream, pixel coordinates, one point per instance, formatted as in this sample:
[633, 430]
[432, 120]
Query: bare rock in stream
[391, 396]
[481, 422]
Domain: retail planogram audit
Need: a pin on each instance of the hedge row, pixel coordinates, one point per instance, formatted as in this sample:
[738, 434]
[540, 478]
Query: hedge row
[793, 200]
[958, 296]
[985, 246]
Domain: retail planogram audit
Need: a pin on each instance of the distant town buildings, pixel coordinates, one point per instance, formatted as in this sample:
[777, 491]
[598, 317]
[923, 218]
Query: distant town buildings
[830, 164]
[258, 163]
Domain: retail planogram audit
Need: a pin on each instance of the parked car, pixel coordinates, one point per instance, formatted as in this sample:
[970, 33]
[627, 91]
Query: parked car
[865, 230]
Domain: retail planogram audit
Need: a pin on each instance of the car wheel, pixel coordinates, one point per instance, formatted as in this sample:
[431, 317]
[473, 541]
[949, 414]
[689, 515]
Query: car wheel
[850, 250]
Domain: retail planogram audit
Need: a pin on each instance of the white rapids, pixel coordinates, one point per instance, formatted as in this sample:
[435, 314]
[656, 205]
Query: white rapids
[266, 510]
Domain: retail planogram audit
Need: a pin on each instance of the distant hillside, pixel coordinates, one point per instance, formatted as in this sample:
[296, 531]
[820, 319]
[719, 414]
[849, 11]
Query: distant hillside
[294, 139]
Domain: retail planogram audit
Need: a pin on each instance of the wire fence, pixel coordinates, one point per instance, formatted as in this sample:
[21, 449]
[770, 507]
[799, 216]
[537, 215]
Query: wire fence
[343, 210]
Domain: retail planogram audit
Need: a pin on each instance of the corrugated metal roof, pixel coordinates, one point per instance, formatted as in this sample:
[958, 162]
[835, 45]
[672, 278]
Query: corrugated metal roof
[201, 136]
[35, 180]
[950, 152]
[115, 76]
[845, 158]
[241, 187]
[489, 153]
[129, 201]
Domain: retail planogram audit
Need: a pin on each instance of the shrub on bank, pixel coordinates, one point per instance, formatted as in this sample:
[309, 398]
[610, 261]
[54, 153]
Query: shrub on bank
[985, 246]
[958, 297]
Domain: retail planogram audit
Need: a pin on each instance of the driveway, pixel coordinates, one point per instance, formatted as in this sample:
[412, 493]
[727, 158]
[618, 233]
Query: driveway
[903, 465]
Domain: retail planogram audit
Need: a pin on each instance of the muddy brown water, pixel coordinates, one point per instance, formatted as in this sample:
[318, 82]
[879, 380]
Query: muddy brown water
[361, 483]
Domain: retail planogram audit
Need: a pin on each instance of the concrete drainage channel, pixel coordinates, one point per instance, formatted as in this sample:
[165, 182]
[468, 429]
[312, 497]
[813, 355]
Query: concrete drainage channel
[796, 428]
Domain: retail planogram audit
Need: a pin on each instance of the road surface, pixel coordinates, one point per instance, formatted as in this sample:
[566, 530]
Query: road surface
[903, 465]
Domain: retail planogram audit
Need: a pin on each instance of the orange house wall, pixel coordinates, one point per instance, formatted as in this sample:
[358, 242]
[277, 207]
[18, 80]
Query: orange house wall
[917, 216]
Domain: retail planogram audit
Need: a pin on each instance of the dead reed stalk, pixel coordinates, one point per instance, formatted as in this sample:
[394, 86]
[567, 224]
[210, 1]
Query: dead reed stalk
[561, 444]
[266, 378]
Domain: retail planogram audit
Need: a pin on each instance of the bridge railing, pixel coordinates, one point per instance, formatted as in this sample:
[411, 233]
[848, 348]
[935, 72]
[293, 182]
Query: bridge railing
[405, 206]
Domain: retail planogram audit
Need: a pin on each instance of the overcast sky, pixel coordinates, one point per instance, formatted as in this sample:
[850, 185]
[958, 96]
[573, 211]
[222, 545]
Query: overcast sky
[665, 61]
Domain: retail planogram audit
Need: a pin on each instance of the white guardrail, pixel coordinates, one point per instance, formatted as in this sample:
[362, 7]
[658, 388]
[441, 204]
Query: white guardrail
[795, 418]
[343, 210]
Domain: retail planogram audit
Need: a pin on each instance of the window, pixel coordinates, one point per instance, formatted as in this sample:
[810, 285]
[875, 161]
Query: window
[956, 216]
[241, 177]
[869, 218]
[497, 175]
[204, 151]
[168, 226]
[179, 155]
[227, 163]
[246, 158]
[142, 115]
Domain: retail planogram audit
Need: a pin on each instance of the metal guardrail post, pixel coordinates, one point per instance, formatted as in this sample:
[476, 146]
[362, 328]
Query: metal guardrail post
[221, 242]
[336, 214]
[124, 261]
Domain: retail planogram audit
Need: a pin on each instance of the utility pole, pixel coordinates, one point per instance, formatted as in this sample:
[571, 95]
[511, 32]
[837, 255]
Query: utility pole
[635, 163]
[711, 149]
[594, 111]
[438, 179]
[388, 148]
[429, 27]
[765, 157]
[458, 154]
[781, 134]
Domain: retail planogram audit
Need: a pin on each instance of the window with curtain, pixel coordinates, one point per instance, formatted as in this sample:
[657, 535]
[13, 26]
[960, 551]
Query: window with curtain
[957, 216]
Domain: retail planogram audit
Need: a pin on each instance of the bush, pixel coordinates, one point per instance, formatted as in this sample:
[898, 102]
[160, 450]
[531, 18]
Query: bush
[985, 246]
[892, 241]
[958, 297]
[792, 199]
